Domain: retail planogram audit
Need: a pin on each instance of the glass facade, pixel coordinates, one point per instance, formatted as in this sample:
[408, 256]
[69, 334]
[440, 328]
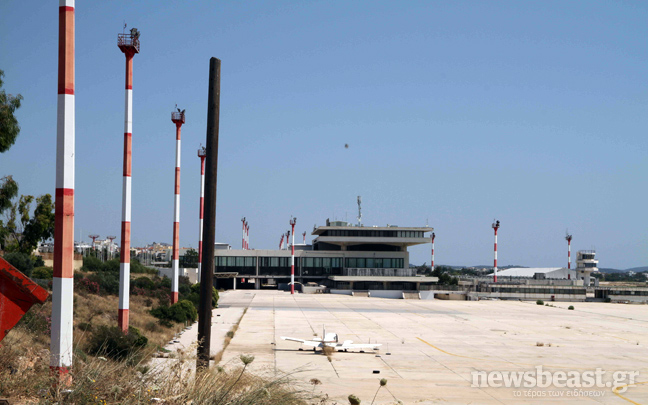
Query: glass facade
[277, 266]
[239, 264]
[375, 263]
[629, 292]
[373, 233]
[545, 290]
[321, 266]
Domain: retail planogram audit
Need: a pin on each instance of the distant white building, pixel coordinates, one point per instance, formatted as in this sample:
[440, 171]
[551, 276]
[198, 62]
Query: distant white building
[561, 273]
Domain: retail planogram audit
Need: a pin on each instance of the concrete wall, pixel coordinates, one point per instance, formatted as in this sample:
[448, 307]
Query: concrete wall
[48, 259]
[187, 272]
[453, 297]
[313, 289]
[343, 292]
[629, 298]
[533, 296]
[396, 294]
[427, 295]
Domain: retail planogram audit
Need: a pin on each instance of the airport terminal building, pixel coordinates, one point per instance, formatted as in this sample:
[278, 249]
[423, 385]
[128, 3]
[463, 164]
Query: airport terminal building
[342, 256]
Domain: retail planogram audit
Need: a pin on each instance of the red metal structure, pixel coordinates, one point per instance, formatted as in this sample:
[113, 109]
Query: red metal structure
[17, 294]
[94, 238]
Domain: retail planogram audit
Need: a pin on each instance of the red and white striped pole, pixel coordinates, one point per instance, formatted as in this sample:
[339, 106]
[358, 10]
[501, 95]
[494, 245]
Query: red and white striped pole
[304, 235]
[281, 243]
[202, 153]
[293, 221]
[243, 233]
[63, 280]
[432, 263]
[247, 235]
[178, 118]
[129, 45]
[496, 226]
[569, 239]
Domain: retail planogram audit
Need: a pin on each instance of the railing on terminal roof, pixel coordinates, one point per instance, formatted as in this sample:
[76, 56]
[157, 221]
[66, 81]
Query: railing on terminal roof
[378, 272]
[436, 287]
[128, 40]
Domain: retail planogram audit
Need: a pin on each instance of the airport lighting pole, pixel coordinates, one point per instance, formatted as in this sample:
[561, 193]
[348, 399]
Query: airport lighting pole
[129, 44]
[293, 221]
[63, 279]
[568, 238]
[496, 226]
[432, 263]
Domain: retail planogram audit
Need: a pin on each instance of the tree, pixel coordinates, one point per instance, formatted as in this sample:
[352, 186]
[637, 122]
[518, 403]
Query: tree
[21, 261]
[21, 232]
[190, 259]
[9, 128]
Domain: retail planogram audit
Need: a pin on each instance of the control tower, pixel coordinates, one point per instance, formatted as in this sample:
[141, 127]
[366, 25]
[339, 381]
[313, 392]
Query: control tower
[586, 263]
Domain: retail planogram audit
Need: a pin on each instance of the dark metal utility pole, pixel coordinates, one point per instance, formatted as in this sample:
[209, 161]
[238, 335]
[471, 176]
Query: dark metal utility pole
[209, 230]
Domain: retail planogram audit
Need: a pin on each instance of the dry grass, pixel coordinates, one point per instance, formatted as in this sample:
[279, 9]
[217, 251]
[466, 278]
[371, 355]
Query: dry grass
[96, 380]
[102, 310]
[25, 376]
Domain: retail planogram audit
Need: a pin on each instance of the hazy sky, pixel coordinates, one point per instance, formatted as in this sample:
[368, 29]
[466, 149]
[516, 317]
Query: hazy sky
[456, 113]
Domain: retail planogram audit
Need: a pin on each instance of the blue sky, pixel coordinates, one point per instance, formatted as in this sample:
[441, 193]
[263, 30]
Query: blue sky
[455, 113]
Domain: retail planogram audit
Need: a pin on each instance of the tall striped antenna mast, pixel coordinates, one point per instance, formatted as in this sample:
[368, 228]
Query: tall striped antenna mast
[432, 263]
[202, 153]
[359, 211]
[178, 118]
[496, 226]
[63, 277]
[129, 44]
[243, 233]
[293, 221]
[568, 238]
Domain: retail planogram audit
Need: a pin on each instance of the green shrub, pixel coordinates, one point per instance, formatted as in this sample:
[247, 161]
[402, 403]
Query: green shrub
[165, 282]
[182, 311]
[571, 307]
[112, 266]
[194, 296]
[540, 302]
[38, 261]
[143, 282]
[353, 400]
[21, 261]
[108, 282]
[92, 264]
[137, 267]
[43, 272]
[608, 299]
[110, 341]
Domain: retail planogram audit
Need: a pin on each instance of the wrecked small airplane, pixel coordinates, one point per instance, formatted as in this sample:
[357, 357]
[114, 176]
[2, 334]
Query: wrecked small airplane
[332, 340]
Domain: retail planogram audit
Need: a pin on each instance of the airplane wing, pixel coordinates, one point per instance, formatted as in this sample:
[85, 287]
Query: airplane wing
[359, 346]
[293, 339]
[311, 343]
